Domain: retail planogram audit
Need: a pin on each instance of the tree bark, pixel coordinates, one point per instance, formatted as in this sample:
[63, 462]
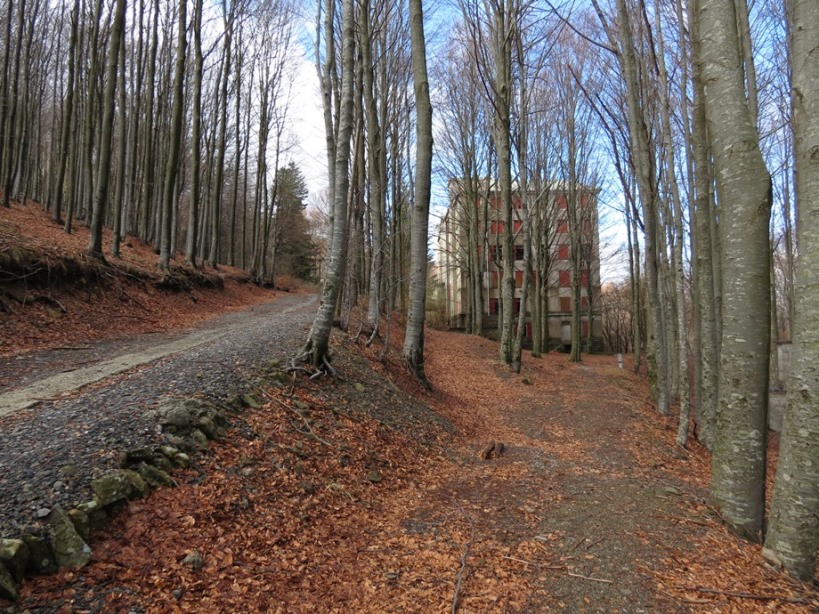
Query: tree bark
[106, 135]
[318, 341]
[793, 533]
[744, 190]
[414, 337]
[166, 248]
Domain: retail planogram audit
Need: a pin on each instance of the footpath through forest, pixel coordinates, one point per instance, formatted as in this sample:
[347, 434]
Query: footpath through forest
[366, 494]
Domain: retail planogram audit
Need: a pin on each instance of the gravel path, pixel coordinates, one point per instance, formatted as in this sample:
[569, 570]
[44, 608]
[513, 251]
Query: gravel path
[50, 452]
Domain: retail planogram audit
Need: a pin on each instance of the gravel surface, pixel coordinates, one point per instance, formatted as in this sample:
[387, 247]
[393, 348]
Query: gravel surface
[49, 454]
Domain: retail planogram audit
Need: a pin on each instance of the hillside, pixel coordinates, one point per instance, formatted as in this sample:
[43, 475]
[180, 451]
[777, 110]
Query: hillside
[52, 294]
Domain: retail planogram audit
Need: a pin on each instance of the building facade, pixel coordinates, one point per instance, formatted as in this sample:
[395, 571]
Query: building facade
[470, 248]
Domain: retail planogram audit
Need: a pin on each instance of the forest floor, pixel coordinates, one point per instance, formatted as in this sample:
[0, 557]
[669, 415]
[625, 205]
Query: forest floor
[366, 493]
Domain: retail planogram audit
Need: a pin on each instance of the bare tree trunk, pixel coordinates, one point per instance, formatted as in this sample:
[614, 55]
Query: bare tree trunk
[196, 137]
[317, 346]
[793, 533]
[121, 168]
[414, 337]
[68, 114]
[106, 135]
[744, 187]
[172, 169]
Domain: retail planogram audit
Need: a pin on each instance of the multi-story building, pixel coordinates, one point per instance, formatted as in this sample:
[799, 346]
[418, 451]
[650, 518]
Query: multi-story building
[478, 220]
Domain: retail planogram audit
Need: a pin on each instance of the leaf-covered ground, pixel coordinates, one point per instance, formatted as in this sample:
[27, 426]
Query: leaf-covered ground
[367, 494]
[352, 496]
[52, 294]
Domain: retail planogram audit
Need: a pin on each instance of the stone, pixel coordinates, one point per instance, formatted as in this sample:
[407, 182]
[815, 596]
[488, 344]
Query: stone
[374, 477]
[139, 487]
[97, 516]
[207, 426]
[14, 555]
[194, 560]
[526, 381]
[155, 477]
[42, 512]
[169, 451]
[68, 470]
[177, 415]
[250, 401]
[70, 550]
[360, 387]
[235, 403]
[160, 461]
[200, 441]
[8, 589]
[301, 405]
[111, 488]
[182, 460]
[40, 557]
[139, 455]
[81, 524]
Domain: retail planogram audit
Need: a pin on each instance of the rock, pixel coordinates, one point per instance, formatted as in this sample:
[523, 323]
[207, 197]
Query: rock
[526, 381]
[200, 441]
[182, 460]
[359, 387]
[70, 550]
[250, 401]
[8, 590]
[68, 470]
[139, 455]
[14, 555]
[155, 477]
[40, 557]
[161, 462]
[177, 415]
[139, 487]
[81, 524]
[207, 426]
[374, 477]
[194, 560]
[235, 403]
[301, 405]
[97, 516]
[42, 512]
[168, 451]
[111, 488]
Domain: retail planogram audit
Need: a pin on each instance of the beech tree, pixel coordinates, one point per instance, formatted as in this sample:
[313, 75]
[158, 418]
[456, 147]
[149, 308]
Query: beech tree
[744, 191]
[793, 533]
[316, 348]
[414, 336]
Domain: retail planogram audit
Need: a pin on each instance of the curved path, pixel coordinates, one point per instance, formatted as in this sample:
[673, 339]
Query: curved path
[66, 413]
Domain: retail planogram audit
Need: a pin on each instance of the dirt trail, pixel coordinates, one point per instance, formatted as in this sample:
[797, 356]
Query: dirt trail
[32, 378]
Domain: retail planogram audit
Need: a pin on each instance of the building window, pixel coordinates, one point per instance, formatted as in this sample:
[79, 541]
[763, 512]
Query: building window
[563, 227]
[516, 306]
[493, 306]
[584, 279]
[518, 252]
[517, 203]
[563, 252]
[565, 303]
[496, 253]
[561, 202]
[517, 225]
[565, 279]
[518, 279]
[496, 228]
